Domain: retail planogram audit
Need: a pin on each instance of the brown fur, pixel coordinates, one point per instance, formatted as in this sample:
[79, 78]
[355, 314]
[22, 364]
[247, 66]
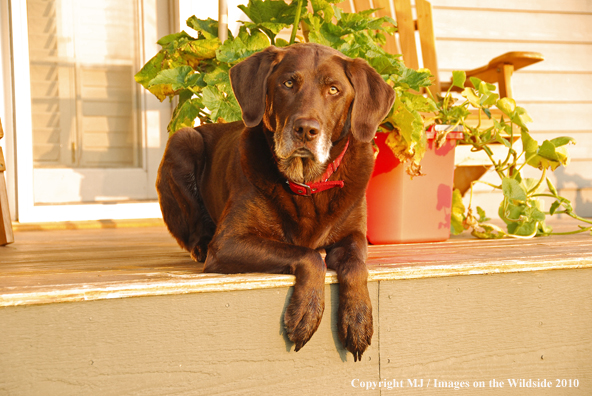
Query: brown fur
[223, 192]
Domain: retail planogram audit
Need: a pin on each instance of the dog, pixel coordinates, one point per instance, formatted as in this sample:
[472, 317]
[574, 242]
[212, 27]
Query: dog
[268, 194]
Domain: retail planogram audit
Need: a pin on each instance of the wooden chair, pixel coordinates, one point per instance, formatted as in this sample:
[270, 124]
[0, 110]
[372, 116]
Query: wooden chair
[6, 235]
[499, 70]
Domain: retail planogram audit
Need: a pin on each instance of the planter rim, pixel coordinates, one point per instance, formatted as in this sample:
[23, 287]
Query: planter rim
[455, 134]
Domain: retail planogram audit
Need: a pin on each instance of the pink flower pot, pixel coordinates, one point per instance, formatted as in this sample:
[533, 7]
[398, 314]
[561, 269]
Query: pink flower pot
[404, 210]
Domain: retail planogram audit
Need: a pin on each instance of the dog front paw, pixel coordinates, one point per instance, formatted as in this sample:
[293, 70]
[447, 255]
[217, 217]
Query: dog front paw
[355, 327]
[303, 315]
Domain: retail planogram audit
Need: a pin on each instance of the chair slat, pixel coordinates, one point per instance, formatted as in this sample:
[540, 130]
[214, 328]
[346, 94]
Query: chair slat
[427, 39]
[406, 28]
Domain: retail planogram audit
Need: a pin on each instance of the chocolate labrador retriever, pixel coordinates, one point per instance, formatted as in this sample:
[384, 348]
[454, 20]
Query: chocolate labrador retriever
[271, 192]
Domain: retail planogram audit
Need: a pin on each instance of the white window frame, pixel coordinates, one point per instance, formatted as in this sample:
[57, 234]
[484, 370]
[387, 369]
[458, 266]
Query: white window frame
[26, 210]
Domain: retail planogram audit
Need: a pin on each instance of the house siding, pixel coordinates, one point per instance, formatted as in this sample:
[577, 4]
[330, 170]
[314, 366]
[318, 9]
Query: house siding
[557, 93]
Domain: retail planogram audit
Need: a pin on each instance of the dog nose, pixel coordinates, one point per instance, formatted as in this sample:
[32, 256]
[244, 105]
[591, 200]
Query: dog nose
[306, 128]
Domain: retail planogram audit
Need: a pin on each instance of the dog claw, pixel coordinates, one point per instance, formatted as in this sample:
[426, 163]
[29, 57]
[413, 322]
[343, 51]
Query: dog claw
[355, 328]
[303, 317]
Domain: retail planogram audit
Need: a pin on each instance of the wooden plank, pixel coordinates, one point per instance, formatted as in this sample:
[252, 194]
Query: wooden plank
[456, 328]
[6, 234]
[425, 26]
[565, 6]
[346, 6]
[212, 343]
[361, 5]
[549, 116]
[115, 263]
[391, 46]
[559, 57]
[406, 29]
[505, 72]
[478, 328]
[512, 26]
[558, 88]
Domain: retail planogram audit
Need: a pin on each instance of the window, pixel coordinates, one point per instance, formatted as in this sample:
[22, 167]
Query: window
[84, 100]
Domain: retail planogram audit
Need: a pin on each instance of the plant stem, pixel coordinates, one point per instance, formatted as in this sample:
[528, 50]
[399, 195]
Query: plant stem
[543, 177]
[296, 22]
[572, 232]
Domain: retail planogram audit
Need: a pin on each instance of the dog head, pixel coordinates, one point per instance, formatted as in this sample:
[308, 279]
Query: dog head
[310, 96]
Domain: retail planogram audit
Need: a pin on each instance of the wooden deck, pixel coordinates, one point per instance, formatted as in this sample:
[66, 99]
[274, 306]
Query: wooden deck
[464, 310]
[64, 265]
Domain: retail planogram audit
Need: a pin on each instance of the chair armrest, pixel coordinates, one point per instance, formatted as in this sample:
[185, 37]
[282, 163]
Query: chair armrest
[491, 72]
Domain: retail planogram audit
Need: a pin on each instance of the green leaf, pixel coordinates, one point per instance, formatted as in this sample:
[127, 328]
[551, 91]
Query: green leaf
[521, 117]
[546, 155]
[475, 81]
[488, 231]
[276, 11]
[164, 41]
[417, 102]
[410, 126]
[502, 140]
[280, 42]
[529, 145]
[513, 190]
[507, 106]
[219, 77]
[409, 78]
[473, 99]
[325, 8]
[544, 230]
[185, 115]
[271, 28]
[554, 206]
[150, 70]
[271, 16]
[176, 77]
[207, 28]
[534, 213]
[562, 141]
[221, 105]
[482, 216]
[551, 187]
[457, 216]
[459, 78]
[485, 88]
[233, 51]
[197, 50]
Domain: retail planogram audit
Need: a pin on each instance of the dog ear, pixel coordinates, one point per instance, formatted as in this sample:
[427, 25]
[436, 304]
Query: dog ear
[249, 83]
[373, 99]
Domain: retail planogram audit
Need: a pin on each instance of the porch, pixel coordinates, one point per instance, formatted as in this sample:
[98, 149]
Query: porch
[465, 311]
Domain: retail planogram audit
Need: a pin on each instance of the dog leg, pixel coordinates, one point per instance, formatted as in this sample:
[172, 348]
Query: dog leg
[354, 325]
[252, 254]
[180, 200]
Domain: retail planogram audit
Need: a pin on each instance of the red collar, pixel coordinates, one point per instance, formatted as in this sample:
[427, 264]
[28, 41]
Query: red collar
[307, 189]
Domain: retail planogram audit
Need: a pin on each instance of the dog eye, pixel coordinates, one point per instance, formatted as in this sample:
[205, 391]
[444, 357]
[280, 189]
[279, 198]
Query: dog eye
[289, 83]
[333, 91]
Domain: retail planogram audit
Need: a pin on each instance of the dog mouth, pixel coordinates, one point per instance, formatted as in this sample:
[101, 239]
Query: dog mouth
[303, 152]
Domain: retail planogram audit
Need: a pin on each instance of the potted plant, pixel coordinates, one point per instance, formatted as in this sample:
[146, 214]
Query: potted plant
[413, 203]
[501, 121]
